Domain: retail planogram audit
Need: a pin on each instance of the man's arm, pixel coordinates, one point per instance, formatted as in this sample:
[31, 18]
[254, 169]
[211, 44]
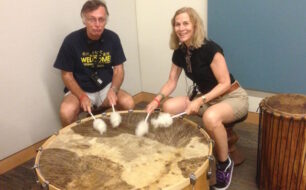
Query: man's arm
[118, 76]
[76, 90]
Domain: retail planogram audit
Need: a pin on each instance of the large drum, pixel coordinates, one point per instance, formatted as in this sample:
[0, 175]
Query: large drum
[78, 157]
[281, 160]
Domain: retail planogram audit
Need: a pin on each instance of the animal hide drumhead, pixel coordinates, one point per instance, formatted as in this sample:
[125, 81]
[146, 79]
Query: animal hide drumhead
[79, 157]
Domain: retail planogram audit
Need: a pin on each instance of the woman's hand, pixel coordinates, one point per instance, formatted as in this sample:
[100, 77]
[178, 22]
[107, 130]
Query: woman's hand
[194, 106]
[152, 106]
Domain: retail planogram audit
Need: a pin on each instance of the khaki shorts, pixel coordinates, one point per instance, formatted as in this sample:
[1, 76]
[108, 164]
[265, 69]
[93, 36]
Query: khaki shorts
[238, 100]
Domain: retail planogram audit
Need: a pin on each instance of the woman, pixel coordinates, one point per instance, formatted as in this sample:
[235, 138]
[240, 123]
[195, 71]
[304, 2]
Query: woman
[220, 99]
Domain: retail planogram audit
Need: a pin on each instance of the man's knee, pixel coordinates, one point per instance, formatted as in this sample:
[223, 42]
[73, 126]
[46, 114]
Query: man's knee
[130, 104]
[127, 102]
[69, 112]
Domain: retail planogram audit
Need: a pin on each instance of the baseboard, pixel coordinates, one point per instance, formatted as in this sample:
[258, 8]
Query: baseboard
[19, 158]
[30, 152]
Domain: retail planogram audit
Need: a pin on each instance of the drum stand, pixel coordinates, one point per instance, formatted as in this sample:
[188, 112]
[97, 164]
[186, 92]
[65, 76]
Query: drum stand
[232, 139]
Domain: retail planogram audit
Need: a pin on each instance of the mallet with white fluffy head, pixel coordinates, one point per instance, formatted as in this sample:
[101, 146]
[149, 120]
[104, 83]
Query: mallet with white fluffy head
[115, 118]
[165, 119]
[98, 124]
[142, 127]
[178, 115]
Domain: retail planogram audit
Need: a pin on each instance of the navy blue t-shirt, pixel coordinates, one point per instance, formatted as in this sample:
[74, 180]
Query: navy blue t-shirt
[82, 56]
[201, 59]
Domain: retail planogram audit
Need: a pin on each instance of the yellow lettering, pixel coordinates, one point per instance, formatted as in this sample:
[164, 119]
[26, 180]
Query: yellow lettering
[83, 59]
[105, 60]
[87, 61]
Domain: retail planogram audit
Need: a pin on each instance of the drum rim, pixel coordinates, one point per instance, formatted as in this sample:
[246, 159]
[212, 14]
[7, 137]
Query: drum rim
[202, 170]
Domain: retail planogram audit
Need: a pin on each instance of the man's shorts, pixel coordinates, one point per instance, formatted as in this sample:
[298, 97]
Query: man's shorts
[237, 99]
[97, 98]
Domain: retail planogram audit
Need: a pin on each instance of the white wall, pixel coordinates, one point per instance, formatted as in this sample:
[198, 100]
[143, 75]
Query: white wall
[31, 34]
[154, 28]
[122, 20]
[31, 89]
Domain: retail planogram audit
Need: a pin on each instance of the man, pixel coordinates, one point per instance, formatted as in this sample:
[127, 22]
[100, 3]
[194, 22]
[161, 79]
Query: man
[91, 61]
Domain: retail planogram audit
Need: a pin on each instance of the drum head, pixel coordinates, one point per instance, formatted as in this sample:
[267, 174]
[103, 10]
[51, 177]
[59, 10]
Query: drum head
[293, 104]
[80, 158]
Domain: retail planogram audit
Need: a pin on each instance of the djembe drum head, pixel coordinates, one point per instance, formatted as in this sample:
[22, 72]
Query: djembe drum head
[287, 104]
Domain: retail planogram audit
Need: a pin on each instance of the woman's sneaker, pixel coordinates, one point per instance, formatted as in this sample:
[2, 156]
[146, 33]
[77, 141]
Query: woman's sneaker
[224, 177]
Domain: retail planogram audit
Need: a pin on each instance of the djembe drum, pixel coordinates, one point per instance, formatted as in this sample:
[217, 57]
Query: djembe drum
[78, 157]
[281, 158]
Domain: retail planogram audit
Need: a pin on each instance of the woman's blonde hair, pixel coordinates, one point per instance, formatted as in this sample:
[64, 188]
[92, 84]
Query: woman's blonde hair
[199, 32]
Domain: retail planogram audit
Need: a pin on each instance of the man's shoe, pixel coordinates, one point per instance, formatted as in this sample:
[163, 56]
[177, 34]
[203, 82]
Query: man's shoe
[224, 177]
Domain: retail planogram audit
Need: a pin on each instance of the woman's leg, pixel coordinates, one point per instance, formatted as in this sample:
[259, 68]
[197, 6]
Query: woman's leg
[213, 119]
[176, 105]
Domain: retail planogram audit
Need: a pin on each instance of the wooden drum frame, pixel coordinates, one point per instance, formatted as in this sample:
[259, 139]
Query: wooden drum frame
[281, 160]
[177, 162]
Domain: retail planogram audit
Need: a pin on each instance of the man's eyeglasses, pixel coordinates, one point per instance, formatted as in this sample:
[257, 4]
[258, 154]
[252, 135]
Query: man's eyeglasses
[188, 61]
[93, 20]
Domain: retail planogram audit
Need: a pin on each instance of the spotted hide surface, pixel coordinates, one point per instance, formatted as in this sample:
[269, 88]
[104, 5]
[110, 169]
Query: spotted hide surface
[80, 158]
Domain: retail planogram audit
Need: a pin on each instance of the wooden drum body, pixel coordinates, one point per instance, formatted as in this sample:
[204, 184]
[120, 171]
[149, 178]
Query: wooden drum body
[281, 158]
[78, 157]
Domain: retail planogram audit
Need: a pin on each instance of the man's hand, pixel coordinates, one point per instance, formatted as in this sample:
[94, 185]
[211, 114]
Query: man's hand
[112, 96]
[85, 103]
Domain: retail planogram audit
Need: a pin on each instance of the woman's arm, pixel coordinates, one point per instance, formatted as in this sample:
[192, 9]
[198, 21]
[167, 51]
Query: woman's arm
[167, 88]
[219, 68]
